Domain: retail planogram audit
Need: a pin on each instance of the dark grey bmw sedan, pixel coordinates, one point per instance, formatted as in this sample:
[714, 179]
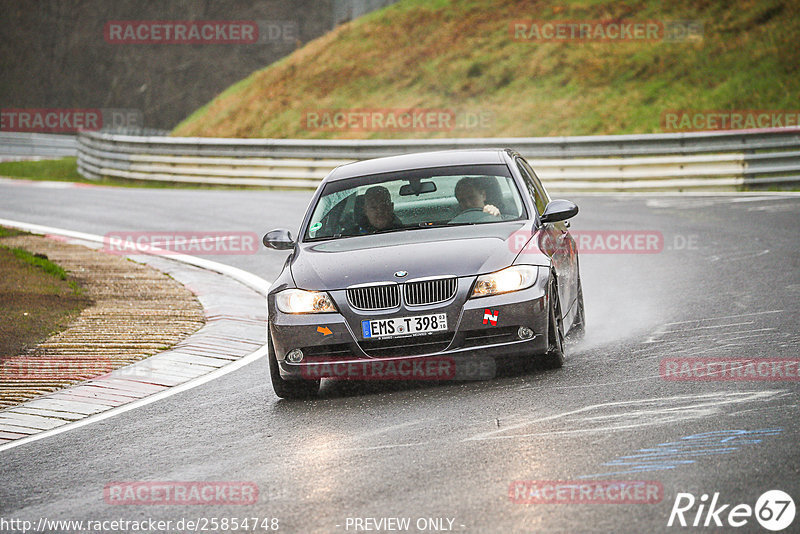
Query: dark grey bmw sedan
[407, 266]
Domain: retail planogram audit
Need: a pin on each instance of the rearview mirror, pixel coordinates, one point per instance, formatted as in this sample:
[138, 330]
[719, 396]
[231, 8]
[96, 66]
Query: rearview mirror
[559, 210]
[280, 239]
[417, 188]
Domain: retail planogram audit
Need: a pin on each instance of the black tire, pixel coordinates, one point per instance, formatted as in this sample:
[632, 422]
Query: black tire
[554, 357]
[578, 329]
[288, 389]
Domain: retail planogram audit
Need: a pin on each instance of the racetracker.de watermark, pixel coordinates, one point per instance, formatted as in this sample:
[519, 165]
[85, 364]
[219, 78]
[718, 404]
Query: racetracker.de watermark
[190, 242]
[25, 368]
[183, 32]
[430, 368]
[180, 493]
[583, 492]
[604, 31]
[396, 120]
[691, 120]
[730, 369]
[599, 242]
[68, 120]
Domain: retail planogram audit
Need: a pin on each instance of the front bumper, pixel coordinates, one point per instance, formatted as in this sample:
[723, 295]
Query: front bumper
[336, 338]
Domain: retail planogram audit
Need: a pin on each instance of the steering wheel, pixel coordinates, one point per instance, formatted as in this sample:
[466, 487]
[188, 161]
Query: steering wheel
[473, 215]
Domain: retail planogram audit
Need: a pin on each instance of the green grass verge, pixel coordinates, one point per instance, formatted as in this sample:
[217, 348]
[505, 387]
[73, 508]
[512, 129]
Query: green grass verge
[66, 170]
[8, 232]
[40, 261]
[62, 169]
[37, 296]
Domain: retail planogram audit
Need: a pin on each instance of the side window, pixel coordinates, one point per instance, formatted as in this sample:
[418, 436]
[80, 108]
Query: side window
[533, 185]
[539, 185]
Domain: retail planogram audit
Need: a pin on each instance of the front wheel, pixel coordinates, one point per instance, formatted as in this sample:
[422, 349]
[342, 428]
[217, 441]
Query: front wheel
[288, 389]
[554, 357]
[578, 329]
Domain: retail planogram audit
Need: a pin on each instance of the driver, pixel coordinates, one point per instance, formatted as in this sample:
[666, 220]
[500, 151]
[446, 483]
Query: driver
[379, 211]
[472, 196]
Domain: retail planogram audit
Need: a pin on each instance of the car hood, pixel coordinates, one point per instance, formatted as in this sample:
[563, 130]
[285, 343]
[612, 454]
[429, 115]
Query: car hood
[459, 251]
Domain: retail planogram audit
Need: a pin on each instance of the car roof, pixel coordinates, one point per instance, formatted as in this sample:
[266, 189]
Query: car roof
[419, 160]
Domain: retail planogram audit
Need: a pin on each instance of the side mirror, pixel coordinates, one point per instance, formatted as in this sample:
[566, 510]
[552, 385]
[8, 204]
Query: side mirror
[559, 210]
[280, 239]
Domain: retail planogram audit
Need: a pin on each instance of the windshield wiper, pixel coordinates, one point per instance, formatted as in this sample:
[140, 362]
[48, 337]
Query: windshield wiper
[442, 225]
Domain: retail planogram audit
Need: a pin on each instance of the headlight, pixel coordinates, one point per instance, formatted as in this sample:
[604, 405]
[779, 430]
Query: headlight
[301, 301]
[510, 279]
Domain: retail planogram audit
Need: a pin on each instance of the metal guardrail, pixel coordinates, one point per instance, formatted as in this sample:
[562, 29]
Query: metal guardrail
[698, 160]
[16, 144]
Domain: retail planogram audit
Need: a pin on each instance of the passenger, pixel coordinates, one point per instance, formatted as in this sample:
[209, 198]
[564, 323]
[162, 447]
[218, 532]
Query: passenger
[379, 211]
[472, 195]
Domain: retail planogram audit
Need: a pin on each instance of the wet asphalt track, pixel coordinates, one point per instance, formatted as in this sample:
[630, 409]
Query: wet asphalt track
[727, 284]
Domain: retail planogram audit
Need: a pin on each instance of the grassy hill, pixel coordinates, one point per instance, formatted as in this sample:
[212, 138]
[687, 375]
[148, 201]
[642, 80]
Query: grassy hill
[461, 56]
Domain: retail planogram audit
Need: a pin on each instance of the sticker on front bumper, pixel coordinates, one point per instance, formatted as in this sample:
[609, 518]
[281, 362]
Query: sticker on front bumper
[403, 326]
[490, 316]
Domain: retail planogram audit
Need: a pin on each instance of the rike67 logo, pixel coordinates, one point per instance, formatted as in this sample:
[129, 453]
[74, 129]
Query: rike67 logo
[774, 510]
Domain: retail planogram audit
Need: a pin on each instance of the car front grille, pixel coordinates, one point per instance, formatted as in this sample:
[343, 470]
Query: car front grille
[430, 291]
[378, 297]
[416, 293]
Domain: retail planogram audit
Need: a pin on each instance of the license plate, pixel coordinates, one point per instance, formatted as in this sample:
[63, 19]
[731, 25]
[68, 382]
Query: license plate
[403, 326]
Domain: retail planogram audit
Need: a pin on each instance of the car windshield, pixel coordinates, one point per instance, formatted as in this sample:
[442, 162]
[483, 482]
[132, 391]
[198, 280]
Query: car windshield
[418, 199]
